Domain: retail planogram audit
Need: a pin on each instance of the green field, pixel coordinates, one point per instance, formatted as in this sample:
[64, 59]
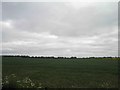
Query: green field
[60, 73]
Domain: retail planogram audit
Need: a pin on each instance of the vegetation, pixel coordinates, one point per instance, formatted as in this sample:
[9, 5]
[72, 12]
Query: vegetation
[44, 72]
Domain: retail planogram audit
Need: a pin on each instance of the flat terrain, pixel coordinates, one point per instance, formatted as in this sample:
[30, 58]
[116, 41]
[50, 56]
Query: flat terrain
[59, 73]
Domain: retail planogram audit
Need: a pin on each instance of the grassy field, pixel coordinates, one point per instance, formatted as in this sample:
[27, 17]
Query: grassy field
[60, 73]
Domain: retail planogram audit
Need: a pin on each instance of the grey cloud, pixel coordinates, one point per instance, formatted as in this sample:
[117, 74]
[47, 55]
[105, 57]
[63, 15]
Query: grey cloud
[60, 29]
[61, 20]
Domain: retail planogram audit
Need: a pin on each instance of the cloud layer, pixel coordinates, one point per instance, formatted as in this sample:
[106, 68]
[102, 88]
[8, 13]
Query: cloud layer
[60, 29]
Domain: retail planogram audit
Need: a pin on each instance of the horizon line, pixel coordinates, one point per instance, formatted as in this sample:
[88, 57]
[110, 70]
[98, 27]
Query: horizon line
[52, 56]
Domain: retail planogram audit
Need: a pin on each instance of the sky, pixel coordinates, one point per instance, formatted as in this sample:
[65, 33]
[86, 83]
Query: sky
[80, 29]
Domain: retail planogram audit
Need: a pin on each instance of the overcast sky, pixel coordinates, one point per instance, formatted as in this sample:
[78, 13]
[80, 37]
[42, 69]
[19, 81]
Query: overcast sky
[60, 28]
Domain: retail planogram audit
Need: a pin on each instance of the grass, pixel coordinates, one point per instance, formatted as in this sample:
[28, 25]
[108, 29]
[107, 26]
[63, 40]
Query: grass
[63, 73]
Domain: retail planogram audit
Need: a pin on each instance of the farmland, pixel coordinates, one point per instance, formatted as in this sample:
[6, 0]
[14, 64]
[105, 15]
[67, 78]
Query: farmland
[20, 72]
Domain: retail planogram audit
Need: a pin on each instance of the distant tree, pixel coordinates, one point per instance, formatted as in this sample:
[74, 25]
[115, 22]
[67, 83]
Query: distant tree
[73, 57]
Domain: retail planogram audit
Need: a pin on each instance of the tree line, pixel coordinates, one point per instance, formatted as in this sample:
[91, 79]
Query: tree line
[53, 57]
